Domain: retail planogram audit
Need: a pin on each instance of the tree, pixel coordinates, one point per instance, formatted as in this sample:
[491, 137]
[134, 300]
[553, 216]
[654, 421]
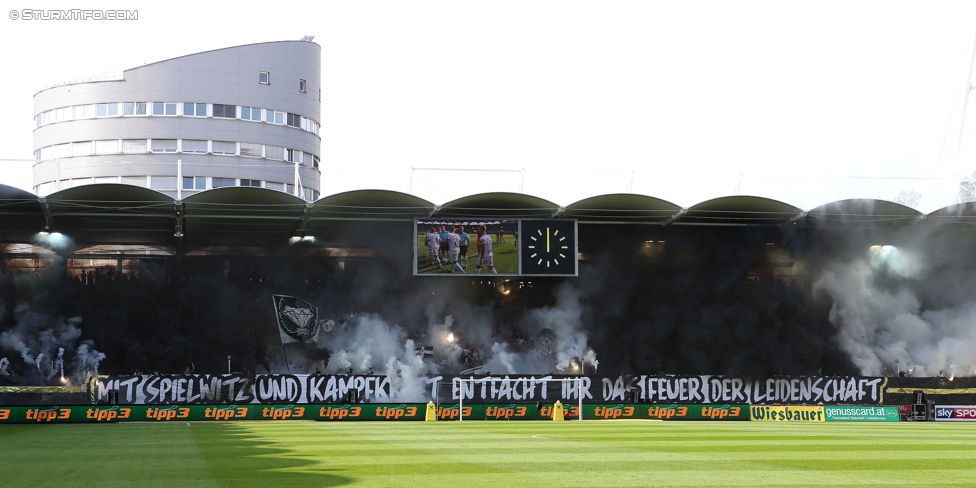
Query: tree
[967, 189]
[909, 198]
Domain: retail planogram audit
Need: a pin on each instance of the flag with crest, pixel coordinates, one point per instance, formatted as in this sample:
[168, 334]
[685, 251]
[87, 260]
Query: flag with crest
[298, 320]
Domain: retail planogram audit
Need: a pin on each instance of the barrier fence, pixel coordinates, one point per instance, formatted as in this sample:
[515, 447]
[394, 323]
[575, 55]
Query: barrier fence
[346, 412]
[477, 411]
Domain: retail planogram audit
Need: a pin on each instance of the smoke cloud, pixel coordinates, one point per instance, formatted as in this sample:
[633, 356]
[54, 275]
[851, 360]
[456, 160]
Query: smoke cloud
[50, 338]
[878, 307]
[746, 301]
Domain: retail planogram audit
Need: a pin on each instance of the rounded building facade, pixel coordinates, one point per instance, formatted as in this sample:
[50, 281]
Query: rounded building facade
[239, 116]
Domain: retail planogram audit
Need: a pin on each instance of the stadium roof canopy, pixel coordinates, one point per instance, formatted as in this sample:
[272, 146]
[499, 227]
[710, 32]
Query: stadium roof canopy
[623, 207]
[21, 216]
[740, 210]
[243, 216]
[498, 205]
[845, 213]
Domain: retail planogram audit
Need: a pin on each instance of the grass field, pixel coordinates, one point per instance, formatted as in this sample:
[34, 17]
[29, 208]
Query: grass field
[489, 454]
[505, 255]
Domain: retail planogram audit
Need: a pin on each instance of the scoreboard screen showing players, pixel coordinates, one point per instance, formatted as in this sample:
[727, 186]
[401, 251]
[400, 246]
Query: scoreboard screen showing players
[491, 246]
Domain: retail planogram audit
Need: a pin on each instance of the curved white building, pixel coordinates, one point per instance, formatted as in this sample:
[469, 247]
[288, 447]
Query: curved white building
[239, 116]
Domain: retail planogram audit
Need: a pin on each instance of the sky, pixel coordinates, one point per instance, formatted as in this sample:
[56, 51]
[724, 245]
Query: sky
[801, 101]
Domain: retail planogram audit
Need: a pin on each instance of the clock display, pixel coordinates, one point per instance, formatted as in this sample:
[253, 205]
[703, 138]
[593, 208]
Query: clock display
[548, 247]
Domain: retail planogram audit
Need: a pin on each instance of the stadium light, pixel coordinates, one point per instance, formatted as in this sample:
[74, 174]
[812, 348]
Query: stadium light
[52, 239]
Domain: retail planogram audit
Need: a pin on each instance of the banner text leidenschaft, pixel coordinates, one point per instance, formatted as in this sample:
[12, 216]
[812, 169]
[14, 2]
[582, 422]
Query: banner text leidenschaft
[304, 388]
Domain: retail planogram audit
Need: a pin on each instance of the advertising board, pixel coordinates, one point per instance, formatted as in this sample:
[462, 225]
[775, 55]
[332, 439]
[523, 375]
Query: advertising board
[861, 414]
[955, 413]
[783, 413]
[363, 411]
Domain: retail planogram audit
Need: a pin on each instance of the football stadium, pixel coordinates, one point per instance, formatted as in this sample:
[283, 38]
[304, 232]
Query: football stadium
[198, 291]
[246, 336]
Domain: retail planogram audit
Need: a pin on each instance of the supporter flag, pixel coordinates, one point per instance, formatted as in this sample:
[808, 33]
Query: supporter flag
[298, 320]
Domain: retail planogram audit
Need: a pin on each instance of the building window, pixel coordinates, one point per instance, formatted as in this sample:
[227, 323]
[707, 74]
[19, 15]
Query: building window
[194, 182]
[161, 108]
[251, 150]
[106, 179]
[289, 188]
[273, 117]
[163, 145]
[293, 156]
[107, 147]
[301, 86]
[194, 146]
[134, 180]
[134, 108]
[62, 114]
[225, 111]
[134, 146]
[84, 111]
[62, 151]
[270, 152]
[81, 148]
[251, 113]
[264, 78]
[108, 109]
[222, 182]
[294, 120]
[274, 186]
[225, 148]
[194, 109]
[162, 182]
[256, 183]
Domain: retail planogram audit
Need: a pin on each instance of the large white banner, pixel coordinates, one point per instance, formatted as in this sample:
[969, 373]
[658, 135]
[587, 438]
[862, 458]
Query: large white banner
[317, 388]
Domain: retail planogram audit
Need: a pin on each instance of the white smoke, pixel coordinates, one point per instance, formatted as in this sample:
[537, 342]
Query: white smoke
[565, 319]
[879, 325]
[86, 360]
[51, 339]
[407, 375]
[456, 329]
[369, 337]
[373, 346]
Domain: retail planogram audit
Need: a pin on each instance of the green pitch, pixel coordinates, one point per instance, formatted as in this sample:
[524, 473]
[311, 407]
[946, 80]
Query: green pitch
[505, 255]
[490, 454]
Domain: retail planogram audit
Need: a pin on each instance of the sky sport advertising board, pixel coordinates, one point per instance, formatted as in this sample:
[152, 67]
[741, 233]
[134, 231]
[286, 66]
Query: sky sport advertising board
[498, 247]
[955, 413]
